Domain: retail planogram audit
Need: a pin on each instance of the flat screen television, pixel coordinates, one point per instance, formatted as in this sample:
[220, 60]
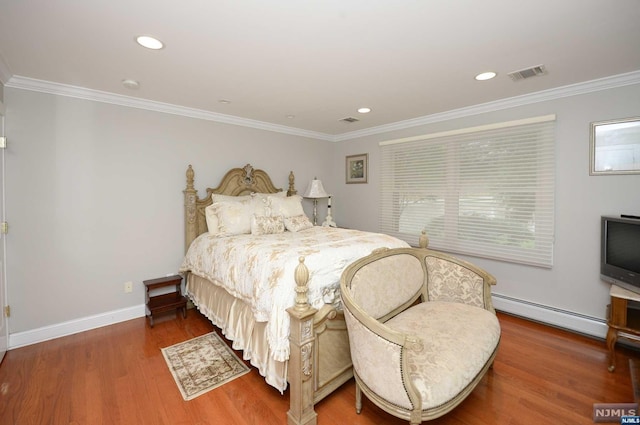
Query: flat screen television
[620, 251]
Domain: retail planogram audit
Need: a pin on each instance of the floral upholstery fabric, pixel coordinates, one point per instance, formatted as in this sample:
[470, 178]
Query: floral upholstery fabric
[373, 287]
[263, 225]
[376, 361]
[451, 282]
[457, 341]
[435, 350]
[297, 223]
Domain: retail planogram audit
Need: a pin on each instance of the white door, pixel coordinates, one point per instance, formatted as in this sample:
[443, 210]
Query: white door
[4, 328]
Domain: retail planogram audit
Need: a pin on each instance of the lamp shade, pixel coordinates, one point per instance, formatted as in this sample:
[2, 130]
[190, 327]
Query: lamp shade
[315, 190]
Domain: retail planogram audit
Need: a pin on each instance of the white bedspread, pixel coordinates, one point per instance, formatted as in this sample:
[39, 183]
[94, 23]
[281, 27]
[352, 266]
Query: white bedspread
[260, 269]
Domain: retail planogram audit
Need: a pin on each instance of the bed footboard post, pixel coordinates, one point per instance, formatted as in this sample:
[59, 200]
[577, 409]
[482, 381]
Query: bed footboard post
[301, 360]
[190, 197]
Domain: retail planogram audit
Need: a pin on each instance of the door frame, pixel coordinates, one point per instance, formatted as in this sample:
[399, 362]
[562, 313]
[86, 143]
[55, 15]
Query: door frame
[4, 320]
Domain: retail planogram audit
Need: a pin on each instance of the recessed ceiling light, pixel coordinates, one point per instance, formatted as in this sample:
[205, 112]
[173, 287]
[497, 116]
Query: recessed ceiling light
[149, 42]
[364, 110]
[486, 76]
[131, 84]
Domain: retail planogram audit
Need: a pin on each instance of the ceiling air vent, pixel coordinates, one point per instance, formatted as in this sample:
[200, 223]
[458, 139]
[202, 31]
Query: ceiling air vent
[349, 119]
[523, 74]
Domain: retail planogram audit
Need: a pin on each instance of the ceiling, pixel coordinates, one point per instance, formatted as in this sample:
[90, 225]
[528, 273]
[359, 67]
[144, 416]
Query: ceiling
[305, 65]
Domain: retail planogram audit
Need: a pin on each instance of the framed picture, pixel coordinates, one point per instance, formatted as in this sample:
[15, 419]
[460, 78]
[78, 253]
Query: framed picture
[615, 147]
[357, 168]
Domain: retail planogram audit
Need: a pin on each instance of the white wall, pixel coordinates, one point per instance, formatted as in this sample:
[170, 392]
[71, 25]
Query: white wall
[573, 284]
[94, 197]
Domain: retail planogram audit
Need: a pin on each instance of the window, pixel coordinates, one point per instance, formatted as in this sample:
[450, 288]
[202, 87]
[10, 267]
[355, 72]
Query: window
[485, 191]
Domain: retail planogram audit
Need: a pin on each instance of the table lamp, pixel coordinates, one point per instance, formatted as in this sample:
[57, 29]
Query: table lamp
[328, 222]
[315, 191]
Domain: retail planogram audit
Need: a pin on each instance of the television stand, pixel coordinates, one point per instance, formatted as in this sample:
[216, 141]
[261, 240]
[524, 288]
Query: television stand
[623, 320]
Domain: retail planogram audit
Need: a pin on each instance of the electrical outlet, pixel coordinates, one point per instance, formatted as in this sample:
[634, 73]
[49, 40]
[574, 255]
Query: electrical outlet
[128, 287]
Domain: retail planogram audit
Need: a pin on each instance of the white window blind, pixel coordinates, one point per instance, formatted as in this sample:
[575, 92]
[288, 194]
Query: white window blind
[485, 191]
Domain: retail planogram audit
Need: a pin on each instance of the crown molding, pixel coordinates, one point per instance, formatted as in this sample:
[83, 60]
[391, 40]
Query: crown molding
[42, 86]
[606, 83]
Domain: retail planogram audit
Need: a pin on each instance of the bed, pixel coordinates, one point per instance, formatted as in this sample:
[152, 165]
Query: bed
[261, 272]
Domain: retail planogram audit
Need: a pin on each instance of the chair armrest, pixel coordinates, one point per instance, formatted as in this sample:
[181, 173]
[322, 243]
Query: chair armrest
[377, 356]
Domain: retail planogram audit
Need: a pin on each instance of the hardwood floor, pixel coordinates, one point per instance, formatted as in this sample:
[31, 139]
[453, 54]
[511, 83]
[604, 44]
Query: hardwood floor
[117, 375]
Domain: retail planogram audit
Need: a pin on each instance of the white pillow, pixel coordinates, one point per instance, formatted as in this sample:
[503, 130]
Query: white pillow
[256, 203]
[216, 197]
[212, 220]
[263, 202]
[234, 218]
[281, 194]
[263, 225]
[297, 223]
[210, 214]
[287, 207]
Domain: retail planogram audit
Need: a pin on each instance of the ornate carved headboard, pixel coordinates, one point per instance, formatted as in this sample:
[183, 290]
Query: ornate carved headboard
[237, 182]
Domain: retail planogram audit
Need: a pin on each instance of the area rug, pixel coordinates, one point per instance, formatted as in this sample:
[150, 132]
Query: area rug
[202, 364]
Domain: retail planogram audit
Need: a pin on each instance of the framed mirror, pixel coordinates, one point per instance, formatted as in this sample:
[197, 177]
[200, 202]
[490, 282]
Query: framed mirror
[615, 147]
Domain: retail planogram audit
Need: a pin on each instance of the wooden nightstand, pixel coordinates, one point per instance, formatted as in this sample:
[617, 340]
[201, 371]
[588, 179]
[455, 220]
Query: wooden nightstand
[165, 302]
[623, 320]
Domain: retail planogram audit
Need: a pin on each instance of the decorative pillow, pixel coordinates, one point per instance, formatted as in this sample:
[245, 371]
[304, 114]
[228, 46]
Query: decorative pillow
[263, 202]
[210, 213]
[287, 207]
[212, 220]
[297, 223]
[264, 225]
[229, 198]
[281, 194]
[228, 220]
[234, 218]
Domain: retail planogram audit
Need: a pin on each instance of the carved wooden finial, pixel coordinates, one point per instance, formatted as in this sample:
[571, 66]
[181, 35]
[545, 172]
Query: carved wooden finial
[292, 185]
[424, 239]
[302, 278]
[190, 176]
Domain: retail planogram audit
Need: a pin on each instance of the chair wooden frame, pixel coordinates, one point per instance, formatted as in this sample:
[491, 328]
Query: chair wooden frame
[407, 342]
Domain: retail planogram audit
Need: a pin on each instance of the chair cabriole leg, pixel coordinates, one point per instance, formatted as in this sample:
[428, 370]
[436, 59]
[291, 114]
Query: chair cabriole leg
[358, 399]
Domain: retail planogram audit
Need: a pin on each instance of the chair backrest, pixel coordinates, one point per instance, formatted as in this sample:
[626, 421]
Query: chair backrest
[386, 281]
[443, 269]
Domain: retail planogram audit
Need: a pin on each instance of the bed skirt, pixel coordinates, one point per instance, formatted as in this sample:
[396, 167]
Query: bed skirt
[236, 321]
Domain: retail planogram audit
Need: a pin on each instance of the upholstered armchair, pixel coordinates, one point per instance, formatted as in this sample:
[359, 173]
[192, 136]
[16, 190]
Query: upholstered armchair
[422, 330]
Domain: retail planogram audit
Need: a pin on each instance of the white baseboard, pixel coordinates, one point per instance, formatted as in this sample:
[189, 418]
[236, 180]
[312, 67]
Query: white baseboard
[20, 339]
[538, 312]
[552, 316]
